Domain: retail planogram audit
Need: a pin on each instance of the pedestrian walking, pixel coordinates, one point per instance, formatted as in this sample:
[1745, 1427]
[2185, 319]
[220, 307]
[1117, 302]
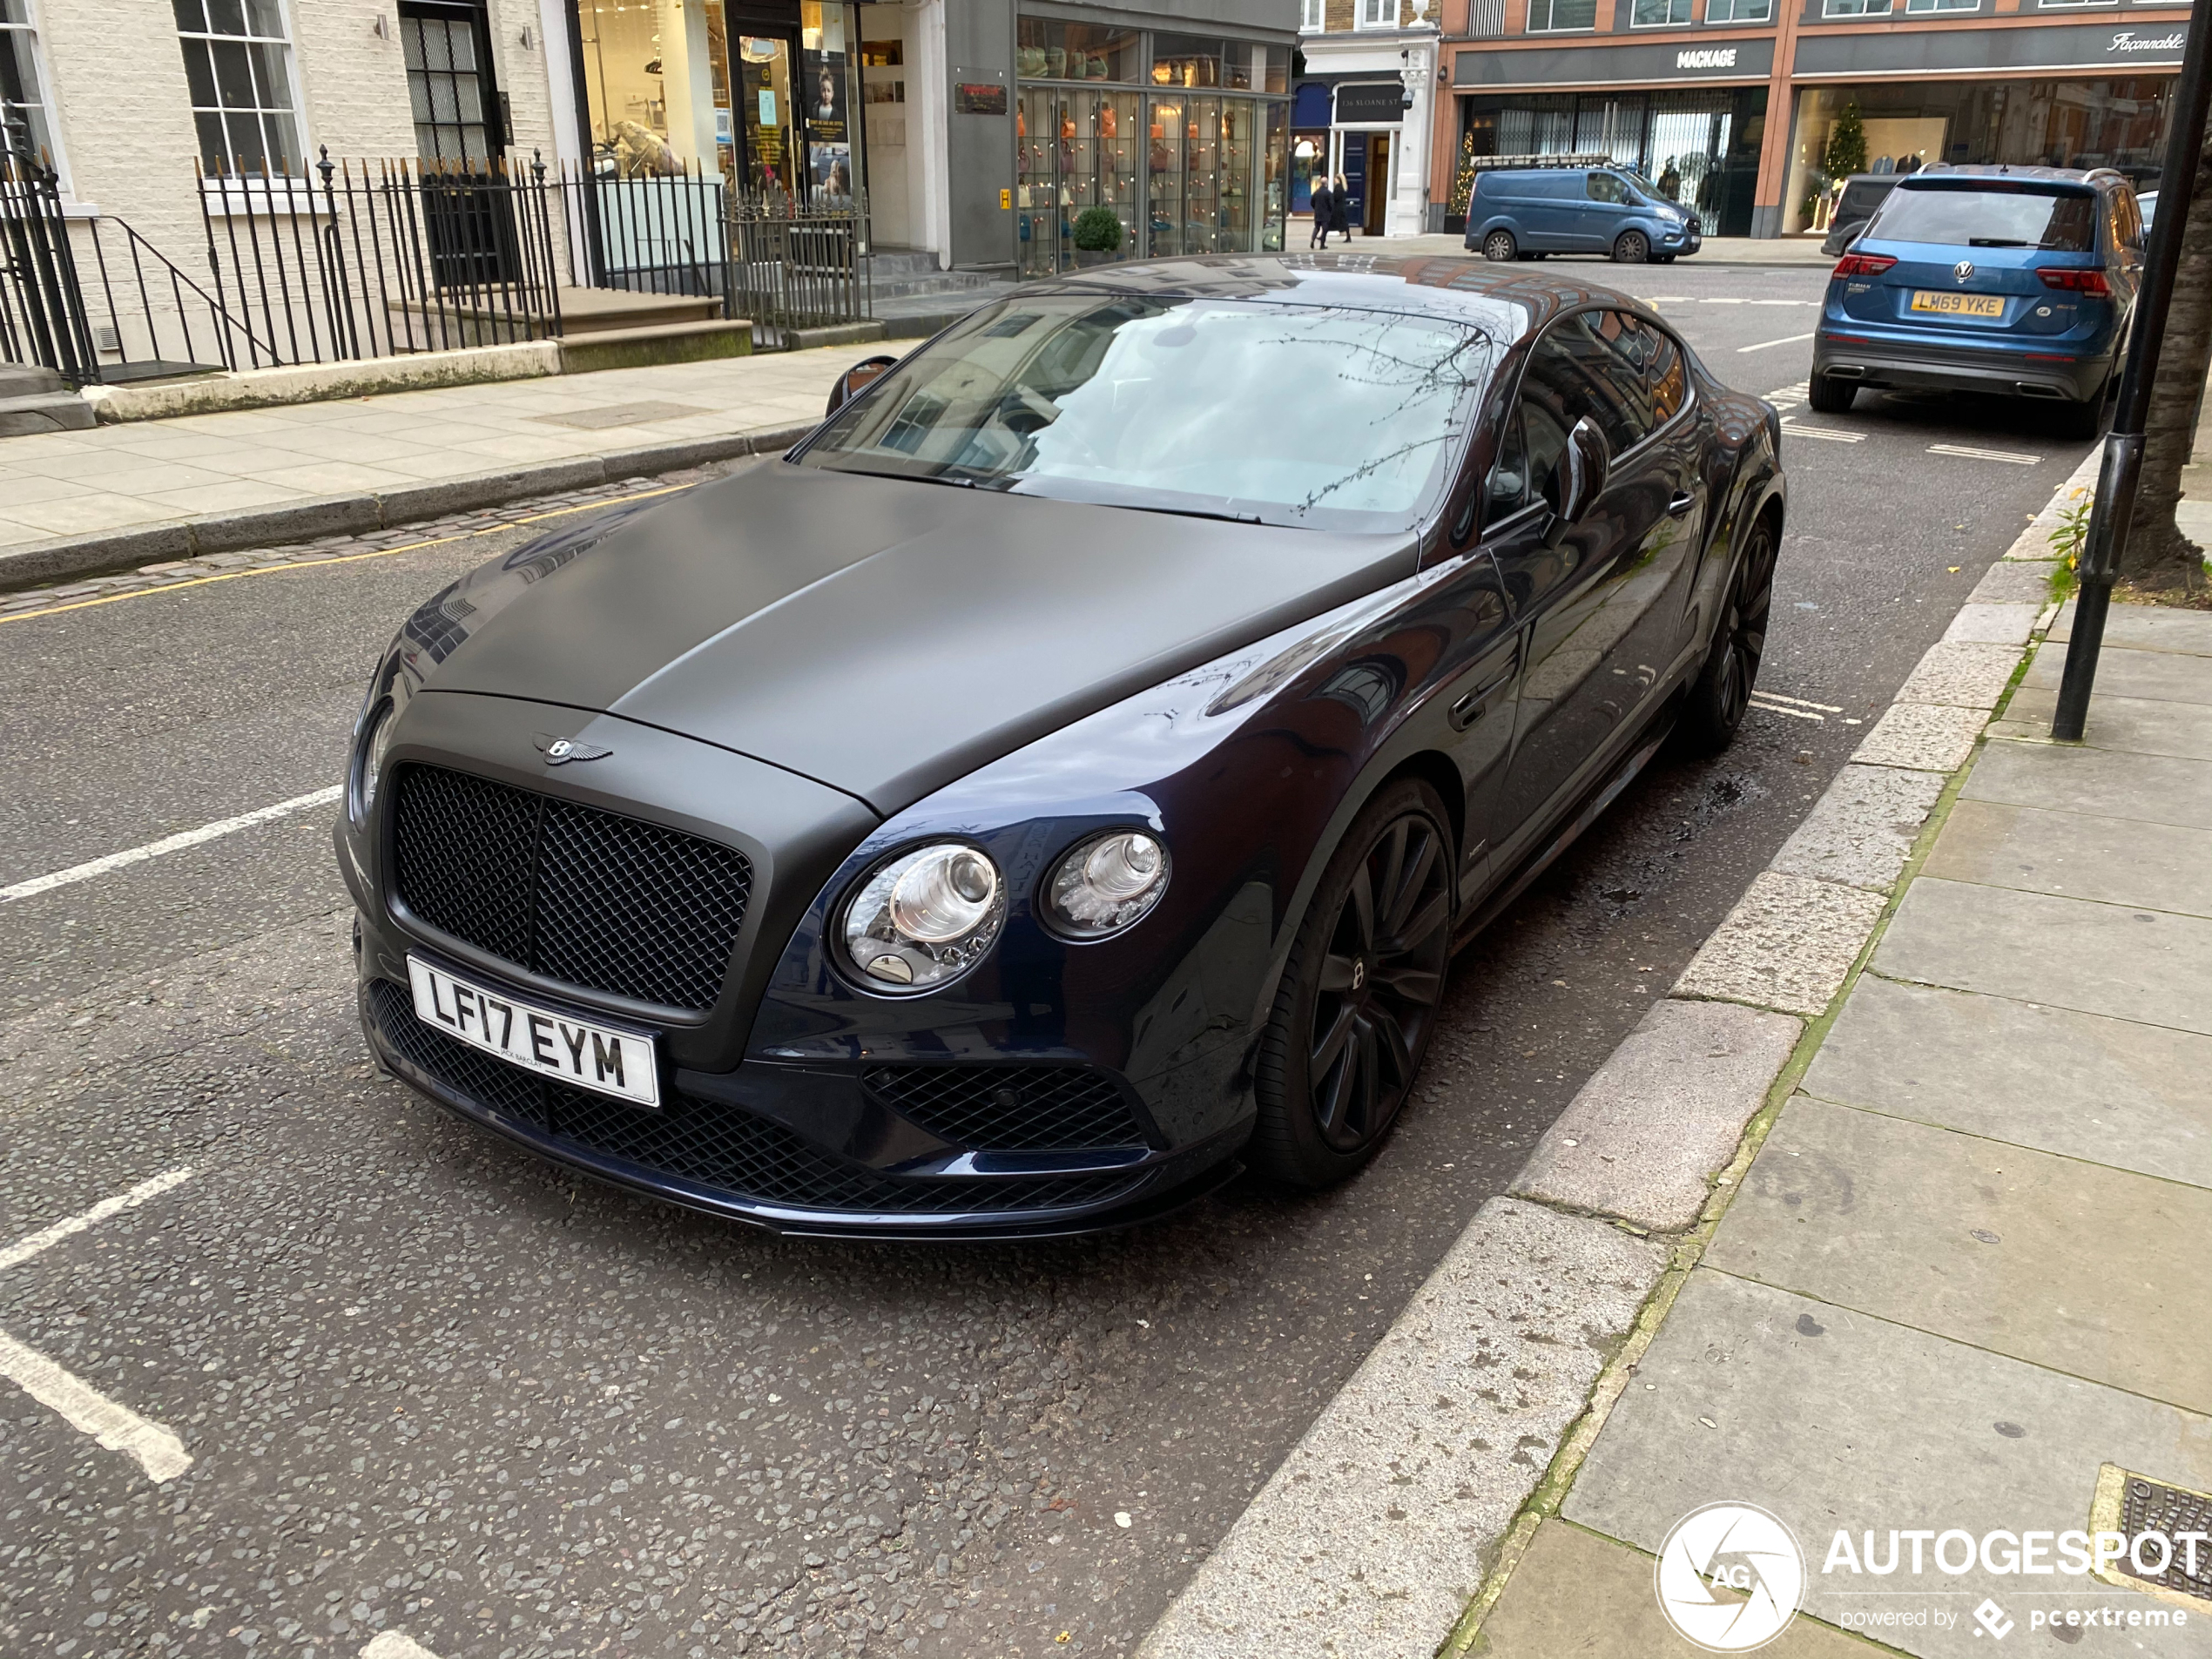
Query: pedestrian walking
[1324, 204]
[1340, 207]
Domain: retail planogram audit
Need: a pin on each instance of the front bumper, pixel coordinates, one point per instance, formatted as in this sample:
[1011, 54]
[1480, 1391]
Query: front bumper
[800, 1149]
[1901, 366]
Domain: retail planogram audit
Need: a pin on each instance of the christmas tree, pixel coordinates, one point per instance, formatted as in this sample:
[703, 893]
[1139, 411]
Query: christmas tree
[1463, 184]
[1846, 152]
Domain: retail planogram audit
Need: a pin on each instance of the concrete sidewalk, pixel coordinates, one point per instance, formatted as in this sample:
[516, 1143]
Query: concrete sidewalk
[1966, 1270]
[73, 502]
[1716, 250]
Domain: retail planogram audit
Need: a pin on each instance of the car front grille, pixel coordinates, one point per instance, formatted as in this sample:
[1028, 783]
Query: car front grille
[1012, 1109]
[591, 897]
[713, 1145]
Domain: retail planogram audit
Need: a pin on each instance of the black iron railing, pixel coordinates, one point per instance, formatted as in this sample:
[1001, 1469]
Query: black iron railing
[42, 313]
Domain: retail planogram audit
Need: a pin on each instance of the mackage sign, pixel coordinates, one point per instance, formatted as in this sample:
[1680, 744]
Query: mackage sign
[1738, 60]
[1964, 51]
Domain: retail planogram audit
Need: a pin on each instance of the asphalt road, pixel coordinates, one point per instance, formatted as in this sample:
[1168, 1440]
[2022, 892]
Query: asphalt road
[427, 1384]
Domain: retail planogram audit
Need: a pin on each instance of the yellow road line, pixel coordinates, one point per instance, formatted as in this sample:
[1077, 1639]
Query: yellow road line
[341, 558]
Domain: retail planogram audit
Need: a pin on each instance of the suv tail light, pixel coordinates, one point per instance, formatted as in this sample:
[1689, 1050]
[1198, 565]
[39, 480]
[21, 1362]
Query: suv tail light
[2078, 281]
[1862, 264]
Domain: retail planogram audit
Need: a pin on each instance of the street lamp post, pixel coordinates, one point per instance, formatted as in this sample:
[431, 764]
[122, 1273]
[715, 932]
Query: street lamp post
[2113, 510]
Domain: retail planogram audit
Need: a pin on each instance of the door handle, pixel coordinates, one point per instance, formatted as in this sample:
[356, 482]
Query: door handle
[1682, 501]
[1475, 703]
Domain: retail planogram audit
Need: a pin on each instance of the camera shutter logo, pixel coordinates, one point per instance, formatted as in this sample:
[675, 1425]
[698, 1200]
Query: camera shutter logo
[1730, 1577]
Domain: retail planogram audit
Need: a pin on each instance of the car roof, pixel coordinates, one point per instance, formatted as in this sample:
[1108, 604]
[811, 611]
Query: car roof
[1507, 301]
[1935, 173]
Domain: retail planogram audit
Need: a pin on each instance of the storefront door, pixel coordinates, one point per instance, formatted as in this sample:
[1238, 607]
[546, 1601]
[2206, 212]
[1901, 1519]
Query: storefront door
[765, 113]
[1376, 201]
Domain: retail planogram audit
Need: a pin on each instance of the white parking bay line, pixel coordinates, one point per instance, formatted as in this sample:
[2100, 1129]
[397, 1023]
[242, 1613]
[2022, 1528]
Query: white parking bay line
[118, 1428]
[169, 844]
[1798, 702]
[1759, 702]
[1786, 339]
[396, 1644]
[46, 1237]
[1833, 436]
[1972, 454]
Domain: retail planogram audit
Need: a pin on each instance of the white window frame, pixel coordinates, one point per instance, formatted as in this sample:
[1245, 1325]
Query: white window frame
[1313, 16]
[1861, 9]
[1939, 8]
[1670, 22]
[287, 44]
[1736, 8]
[1375, 14]
[29, 29]
[1551, 7]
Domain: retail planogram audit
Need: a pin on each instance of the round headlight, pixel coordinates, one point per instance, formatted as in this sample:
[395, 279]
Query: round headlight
[924, 917]
[376, 743]
[1107, 883]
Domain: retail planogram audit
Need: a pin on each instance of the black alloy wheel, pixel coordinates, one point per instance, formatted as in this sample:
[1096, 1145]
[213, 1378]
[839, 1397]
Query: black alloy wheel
[1631, 248]
[1722, 692]
[1499, 244]
[1359, 996]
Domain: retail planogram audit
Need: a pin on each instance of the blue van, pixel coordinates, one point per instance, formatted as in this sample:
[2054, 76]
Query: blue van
[1524, 212]
[2018, 281]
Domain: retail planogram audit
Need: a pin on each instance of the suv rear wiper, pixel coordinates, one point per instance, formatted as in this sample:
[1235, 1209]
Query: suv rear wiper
[1996, 241]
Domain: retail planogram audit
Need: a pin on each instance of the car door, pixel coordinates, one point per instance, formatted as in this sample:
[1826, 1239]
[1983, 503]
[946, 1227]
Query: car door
[1598, 627]
[1605, 204]
[1529, 198]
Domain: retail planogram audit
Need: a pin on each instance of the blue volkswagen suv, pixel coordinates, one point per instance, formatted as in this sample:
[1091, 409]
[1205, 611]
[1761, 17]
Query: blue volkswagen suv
[2016, 280]
[1521, 212]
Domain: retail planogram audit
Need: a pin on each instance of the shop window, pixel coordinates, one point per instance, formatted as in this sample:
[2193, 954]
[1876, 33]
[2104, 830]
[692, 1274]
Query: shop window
[1739, 10]
[1554, 16]
[22, 87]
[1198, 60]
[1378, 14]
[1048, 49]
[238, 63]
[1654, 14]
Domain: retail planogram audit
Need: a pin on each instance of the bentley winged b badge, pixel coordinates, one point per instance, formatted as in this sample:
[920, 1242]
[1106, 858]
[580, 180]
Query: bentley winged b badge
[558, 752]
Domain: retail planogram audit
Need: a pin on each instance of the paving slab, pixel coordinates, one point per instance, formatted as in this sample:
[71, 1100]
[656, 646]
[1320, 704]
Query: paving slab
[2059, 1261]
[1837, 1420]
[2157, 867]
[1577, 1595]
[2114, 959]
[2135, 725]
[2145, 627]
[1922, 738]
[1787, 945]
[2133, 1096]
[2154, 789]
[1971, 675]
[1861, 830]
[2162, 676]
[1664, 1113]
[1394, 1501]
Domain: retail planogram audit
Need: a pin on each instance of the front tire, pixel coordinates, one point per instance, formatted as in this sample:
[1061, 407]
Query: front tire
[1359, 995]
[1631, 248]
[1499, 246]
[1723, 693]
[1829, 395]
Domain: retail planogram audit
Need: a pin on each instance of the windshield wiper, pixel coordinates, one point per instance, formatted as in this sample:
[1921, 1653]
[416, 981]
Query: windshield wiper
[1995, 241]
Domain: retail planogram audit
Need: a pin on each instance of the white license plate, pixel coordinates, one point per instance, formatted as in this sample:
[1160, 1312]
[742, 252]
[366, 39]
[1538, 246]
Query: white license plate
[580, 1052]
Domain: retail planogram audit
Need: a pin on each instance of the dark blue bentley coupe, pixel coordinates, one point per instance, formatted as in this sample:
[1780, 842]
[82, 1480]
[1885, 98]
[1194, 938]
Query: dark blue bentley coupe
[1064, 776]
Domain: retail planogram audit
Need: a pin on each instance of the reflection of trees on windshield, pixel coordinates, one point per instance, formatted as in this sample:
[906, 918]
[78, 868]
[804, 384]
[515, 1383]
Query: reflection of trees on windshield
[1334, 417]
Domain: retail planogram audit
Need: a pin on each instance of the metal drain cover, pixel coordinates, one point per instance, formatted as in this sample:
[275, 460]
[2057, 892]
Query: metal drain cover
[2134, 1504]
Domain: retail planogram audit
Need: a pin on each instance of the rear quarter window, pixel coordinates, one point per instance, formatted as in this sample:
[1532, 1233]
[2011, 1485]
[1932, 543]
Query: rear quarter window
[1995, 214]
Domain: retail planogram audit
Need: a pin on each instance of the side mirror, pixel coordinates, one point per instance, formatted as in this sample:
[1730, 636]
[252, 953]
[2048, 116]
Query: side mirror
[1584, 468]
[857, 379]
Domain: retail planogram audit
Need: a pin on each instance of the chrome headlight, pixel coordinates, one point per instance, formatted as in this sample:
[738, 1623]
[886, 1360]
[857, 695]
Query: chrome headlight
[924, 917]
[376, 743]
[1106, 883]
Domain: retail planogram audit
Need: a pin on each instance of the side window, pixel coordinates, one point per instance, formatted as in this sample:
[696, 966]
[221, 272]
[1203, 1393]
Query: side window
[1554, 393]
[1597, 359]
[1604, 187]
[1667, 377]
[1509, 490]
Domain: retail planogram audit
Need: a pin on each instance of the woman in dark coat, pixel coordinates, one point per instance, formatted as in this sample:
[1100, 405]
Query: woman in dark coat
[1324, 206]
[1340, 207]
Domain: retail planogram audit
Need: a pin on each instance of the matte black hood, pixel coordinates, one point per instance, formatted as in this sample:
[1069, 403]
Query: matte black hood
[888, 638]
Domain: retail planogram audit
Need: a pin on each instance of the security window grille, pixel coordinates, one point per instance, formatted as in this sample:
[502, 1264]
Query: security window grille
[1378, 14]
[1549, 17]
[238, 64]
[1649, 14]
[23, 89]
[1855, 8]
[445, 85]
[1739, 10]
[1314, 16]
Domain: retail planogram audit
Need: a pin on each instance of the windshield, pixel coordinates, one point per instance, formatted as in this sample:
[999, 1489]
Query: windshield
[1990, 213]
[1306, 416]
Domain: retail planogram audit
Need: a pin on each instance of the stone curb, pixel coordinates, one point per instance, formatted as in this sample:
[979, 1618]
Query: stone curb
[1337, 1553]
[119, 549]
